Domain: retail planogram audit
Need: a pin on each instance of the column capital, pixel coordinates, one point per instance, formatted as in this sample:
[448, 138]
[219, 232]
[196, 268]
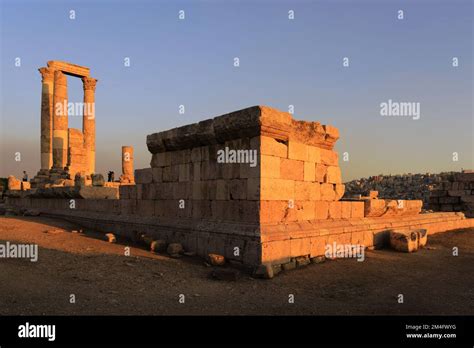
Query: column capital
[89, 83]
[47, 74]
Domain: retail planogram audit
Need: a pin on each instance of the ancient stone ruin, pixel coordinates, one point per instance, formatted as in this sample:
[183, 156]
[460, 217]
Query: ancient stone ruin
[65, 151]
[253, 186]
[68, 154]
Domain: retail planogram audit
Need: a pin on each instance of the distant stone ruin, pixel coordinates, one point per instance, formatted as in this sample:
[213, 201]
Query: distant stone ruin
[65, 151]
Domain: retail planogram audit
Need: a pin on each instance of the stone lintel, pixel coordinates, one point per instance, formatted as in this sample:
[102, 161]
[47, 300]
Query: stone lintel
[69, 69]
[250, 122]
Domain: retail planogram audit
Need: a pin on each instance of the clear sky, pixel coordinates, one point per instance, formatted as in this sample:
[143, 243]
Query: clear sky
[282, 62]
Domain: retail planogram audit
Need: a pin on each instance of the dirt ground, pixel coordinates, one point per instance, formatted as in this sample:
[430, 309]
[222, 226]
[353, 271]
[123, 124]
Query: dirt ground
[106, 282]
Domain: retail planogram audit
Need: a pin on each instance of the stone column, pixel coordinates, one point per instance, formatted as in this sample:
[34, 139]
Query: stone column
[46, 143]
[60, 121]
[88, 121]
[127, 163]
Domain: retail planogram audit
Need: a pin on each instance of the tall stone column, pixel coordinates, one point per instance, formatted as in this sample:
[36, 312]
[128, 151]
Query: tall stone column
[60, 121]
[127, 164]
[46, 144]
[88, 121]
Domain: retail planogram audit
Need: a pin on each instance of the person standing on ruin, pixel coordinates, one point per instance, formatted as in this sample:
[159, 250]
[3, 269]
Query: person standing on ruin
[111, 176]
[25, 176]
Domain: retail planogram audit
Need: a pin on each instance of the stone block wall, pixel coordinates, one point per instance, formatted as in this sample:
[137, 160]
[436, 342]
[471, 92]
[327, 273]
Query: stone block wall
[455, 193]
[295, 175]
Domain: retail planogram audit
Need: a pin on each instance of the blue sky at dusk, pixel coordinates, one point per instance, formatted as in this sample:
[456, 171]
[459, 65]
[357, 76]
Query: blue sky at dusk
[282, 62]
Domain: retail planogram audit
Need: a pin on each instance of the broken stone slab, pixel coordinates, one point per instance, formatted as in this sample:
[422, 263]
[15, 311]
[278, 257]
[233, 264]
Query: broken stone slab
[408, 240]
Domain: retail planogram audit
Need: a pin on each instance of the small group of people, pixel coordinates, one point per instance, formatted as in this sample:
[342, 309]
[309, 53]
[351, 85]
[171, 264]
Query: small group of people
[110, 176]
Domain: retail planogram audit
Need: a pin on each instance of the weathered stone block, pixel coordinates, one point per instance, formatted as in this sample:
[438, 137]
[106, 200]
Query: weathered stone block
[333, 175]
[357, 209]
[237, 189]
[321, 210]
[320, 171]
[346, 209]
[270, 166]
[307, 191]
[184, 172]
[374, 207]
[309, 171]
[314, 154]
[329, 157]
[297, 151]
[277, 211]
[143, 176]
[157, 174]
[276, 189]
[291, 169]
[404, 240]
[305, 210]
[335, 210]
[327, 192]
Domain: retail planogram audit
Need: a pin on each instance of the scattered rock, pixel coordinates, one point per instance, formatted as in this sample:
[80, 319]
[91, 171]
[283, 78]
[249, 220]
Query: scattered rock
[276, 269]
[422, 237]
[264, 271]
[174, 248]
[216, 259]
[227, 274]
[289, 266]
[404, 240]
[111, 238]
[318, 259]
[158, 246]
[302, 261]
